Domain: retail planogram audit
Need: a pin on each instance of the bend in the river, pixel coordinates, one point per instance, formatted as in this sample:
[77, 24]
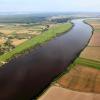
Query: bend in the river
[26, 76]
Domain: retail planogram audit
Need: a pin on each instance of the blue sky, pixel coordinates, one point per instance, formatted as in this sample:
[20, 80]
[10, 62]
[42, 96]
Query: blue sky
[49, 5]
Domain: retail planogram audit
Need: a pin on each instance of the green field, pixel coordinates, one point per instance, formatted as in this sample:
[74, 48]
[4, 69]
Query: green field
[45, 36]
[88, 62]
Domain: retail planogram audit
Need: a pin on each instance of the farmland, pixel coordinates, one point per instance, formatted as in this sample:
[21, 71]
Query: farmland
[59, 93]
[84, 75]
[93, 50]
[82, 79]
[14, 34]
[33, 41]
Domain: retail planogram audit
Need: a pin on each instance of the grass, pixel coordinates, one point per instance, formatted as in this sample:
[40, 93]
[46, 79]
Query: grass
[45, 36]
[81, 61]
[88, 62]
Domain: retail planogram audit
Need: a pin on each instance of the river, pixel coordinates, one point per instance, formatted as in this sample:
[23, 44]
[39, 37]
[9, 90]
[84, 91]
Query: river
[24, 77]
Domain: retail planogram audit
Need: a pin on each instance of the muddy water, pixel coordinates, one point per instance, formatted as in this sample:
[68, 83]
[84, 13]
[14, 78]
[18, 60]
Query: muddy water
[27, 75]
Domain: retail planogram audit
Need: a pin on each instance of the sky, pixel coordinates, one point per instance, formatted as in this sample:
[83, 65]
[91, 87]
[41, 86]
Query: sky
[50, 5]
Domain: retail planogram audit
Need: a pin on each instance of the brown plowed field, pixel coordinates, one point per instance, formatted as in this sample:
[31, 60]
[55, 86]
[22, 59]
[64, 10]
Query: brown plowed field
[92, 53]
[81, 82]
[81, 78]
[59, 93]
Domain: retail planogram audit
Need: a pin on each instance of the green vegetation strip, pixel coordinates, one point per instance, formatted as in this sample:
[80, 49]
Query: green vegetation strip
[45, 36]
[87, 62]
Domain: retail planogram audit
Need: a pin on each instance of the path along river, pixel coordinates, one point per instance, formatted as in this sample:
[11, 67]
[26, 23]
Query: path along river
[24, 77]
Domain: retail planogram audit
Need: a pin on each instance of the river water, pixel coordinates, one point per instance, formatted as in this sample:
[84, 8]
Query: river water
[24, 77]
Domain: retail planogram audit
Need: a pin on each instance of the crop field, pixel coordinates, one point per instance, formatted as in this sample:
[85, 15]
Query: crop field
[80, 83]
[37, 40]
[14, 34]
[59, 93]
[95, 40]
[92, 53]
[81, 80]
[17, 42]
[84, 75]
[19, 31]
[19, 28]
[87, 62]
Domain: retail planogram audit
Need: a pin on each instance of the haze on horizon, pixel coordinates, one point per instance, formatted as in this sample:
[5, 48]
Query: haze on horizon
[49, 5]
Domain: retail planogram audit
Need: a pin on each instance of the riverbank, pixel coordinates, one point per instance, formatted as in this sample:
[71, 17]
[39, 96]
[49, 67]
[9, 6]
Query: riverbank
[35, 70]
[81, 80]
[36, 41]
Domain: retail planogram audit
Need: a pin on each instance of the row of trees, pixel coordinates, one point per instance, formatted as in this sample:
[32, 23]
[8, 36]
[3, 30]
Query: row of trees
[59, 20]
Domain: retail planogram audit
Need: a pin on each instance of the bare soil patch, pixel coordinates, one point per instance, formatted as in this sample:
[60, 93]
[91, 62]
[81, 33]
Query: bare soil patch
[17, 42]
[96, 26]
[59, 93]
[81, 78]
[92, 53]
[95, 40]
